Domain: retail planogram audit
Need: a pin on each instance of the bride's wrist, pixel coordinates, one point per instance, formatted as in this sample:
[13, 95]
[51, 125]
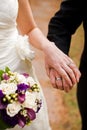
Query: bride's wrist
[49, 47]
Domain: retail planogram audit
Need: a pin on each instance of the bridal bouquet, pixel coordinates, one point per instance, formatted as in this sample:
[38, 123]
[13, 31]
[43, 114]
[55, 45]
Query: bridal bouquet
[19, 99]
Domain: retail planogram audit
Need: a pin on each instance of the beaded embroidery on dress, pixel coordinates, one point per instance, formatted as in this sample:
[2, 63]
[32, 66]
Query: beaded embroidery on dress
[15, 53]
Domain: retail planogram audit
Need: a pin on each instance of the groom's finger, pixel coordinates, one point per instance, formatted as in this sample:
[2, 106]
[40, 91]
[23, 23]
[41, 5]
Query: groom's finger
[59, 84]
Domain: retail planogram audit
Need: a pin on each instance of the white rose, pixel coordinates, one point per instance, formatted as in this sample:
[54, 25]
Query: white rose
[31, 81]
[30, 101]
[21, 78]
[8, 88]
[13, 109]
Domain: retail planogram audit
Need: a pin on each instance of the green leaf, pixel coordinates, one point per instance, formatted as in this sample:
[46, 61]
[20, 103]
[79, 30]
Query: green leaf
[1, 73]
[7, 69]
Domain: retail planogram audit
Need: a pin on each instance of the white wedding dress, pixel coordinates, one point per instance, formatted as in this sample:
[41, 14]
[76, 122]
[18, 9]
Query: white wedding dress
[16, 54]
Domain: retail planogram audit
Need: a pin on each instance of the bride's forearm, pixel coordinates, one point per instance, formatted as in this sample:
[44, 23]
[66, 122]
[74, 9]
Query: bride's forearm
[38, 40]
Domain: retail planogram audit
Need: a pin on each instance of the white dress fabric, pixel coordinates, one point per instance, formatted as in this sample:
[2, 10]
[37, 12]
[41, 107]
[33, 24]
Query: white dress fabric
[16, 54]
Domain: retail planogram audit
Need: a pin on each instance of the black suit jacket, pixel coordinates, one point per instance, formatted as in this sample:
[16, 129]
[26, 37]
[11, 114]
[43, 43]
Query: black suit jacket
[64, 24]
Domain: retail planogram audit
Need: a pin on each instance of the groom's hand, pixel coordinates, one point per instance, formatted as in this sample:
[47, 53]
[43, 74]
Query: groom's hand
[58, 82]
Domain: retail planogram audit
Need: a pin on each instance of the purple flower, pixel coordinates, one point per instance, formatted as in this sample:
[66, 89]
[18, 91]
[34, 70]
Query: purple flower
[21, 97]
[3, 105]
[22, 87]
[31, 113]
[26, 75]
[5, 76]
[21, 120]
[1, 94]
[11, 121]
[21, 92]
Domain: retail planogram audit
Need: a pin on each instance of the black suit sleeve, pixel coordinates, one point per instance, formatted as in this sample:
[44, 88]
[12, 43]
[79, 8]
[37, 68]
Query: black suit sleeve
[64, 23]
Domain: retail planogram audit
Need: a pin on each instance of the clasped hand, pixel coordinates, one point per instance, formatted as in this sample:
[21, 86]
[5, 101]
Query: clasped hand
[61, 69]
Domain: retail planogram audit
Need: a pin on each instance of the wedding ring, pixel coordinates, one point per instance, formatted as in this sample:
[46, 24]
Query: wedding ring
[58, 78]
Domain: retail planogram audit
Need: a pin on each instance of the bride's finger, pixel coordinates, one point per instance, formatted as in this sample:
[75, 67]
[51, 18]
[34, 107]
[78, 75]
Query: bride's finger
[70, 73]
[75, 70]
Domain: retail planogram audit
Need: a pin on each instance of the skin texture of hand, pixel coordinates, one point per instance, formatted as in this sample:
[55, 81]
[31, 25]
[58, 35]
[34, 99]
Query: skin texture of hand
[64, 68]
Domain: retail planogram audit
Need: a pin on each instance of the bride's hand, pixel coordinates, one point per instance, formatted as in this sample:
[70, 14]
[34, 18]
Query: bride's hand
[65, 67]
